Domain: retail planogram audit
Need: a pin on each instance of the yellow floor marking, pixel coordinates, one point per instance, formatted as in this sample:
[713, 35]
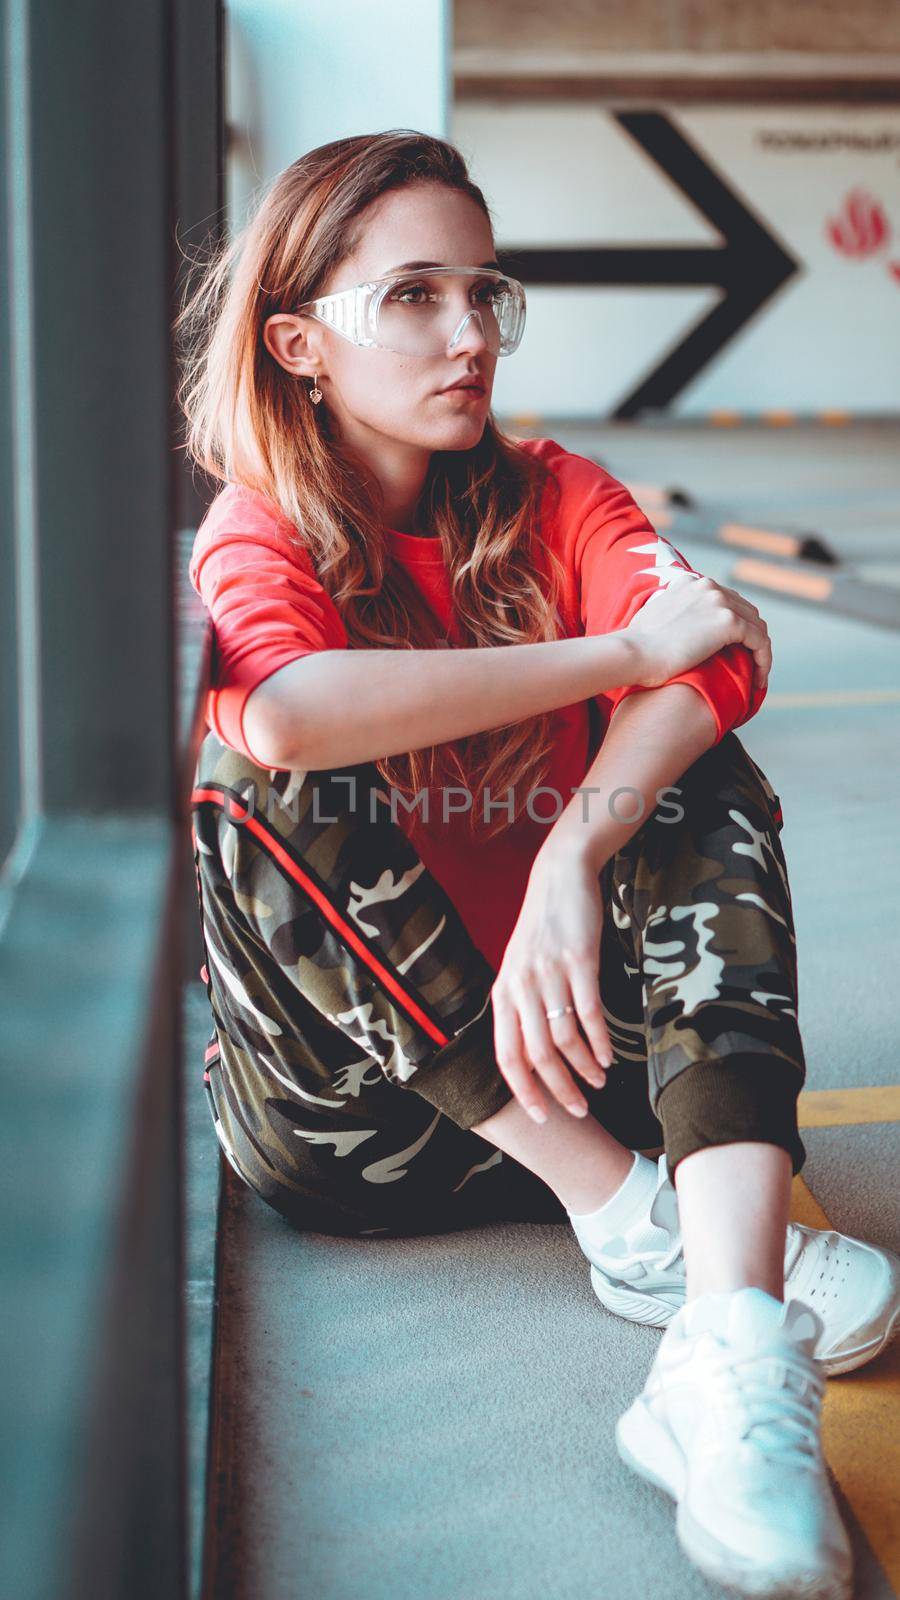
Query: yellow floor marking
[859, 1426]
[805, 1207]
[834, 697]
[741, 534]
[829, 1108]
[814, 586]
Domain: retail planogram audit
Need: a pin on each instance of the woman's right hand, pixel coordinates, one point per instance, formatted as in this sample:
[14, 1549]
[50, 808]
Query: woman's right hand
[690, 619]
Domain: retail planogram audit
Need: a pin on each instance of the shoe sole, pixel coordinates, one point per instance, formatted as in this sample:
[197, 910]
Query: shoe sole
[632, 1303]
[656, 1313]
[650, 1451]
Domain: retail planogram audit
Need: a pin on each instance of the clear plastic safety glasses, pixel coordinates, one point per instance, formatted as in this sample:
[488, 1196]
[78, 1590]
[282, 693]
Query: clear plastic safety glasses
[426, 313]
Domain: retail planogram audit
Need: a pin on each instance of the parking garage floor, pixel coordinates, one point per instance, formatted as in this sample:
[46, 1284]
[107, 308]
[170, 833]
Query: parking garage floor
[432, 1418]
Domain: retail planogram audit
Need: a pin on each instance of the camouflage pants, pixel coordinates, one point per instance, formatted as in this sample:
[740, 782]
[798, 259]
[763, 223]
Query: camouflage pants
[352, 1044]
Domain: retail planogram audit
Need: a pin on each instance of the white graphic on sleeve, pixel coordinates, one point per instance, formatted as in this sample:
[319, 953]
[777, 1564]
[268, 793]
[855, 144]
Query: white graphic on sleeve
[667, 563]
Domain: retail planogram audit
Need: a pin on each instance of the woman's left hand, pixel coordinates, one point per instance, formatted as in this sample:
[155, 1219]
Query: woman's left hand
[553, 959]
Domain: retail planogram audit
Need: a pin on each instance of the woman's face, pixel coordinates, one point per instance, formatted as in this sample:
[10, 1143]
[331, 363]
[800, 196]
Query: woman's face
[378, 395]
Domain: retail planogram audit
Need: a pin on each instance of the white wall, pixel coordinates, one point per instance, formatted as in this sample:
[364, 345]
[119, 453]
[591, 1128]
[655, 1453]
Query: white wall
[560, 174]
[557, 174]
[302, 72]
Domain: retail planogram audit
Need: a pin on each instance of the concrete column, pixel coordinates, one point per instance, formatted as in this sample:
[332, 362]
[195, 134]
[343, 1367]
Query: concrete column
[298, 76]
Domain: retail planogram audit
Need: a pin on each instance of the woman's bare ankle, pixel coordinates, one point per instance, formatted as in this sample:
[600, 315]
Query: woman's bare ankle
[576, 1157]
[733, 1202]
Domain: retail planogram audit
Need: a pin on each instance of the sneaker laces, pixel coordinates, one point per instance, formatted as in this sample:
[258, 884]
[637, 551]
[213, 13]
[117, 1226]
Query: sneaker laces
[774, 1399]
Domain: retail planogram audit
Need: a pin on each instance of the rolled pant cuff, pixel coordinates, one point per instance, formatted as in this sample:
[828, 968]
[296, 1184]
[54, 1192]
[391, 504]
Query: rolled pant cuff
[463, 1079]
[746, 1097]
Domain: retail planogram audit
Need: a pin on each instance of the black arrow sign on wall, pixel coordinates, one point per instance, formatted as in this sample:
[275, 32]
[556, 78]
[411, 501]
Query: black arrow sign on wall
[750, 266]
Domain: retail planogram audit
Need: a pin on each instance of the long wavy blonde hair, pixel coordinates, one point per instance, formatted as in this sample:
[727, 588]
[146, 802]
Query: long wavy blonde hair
[250, 422]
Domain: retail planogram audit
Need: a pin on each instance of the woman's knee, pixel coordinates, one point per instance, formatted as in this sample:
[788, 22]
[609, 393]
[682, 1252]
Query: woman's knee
[726, 772]
[715, 834]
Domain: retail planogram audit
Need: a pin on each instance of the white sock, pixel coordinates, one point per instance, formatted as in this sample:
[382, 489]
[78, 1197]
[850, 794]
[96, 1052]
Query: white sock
[627, 1210]
[713, 1308]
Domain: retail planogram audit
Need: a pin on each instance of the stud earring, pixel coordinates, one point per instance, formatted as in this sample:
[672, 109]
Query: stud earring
[315, 393]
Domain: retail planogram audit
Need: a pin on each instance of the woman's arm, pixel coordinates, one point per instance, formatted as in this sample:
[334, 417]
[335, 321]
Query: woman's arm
[652, 739]
[552, 956]
[334, 708]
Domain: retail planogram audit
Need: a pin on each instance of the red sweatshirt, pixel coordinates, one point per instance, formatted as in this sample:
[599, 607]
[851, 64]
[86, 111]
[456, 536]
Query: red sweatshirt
[268, 608]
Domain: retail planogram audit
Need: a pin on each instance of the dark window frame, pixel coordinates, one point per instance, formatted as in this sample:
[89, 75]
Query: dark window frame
[112, 124]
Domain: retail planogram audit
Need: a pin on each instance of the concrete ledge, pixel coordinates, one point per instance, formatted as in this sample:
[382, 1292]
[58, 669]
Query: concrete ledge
[90, 1252]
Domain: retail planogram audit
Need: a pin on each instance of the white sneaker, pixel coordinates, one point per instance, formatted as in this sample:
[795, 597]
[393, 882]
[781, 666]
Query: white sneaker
[854, 1287]
[728, 1423]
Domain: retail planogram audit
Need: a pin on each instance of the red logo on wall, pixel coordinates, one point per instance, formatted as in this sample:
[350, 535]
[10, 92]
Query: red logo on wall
[861, 229]
[862, 226]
